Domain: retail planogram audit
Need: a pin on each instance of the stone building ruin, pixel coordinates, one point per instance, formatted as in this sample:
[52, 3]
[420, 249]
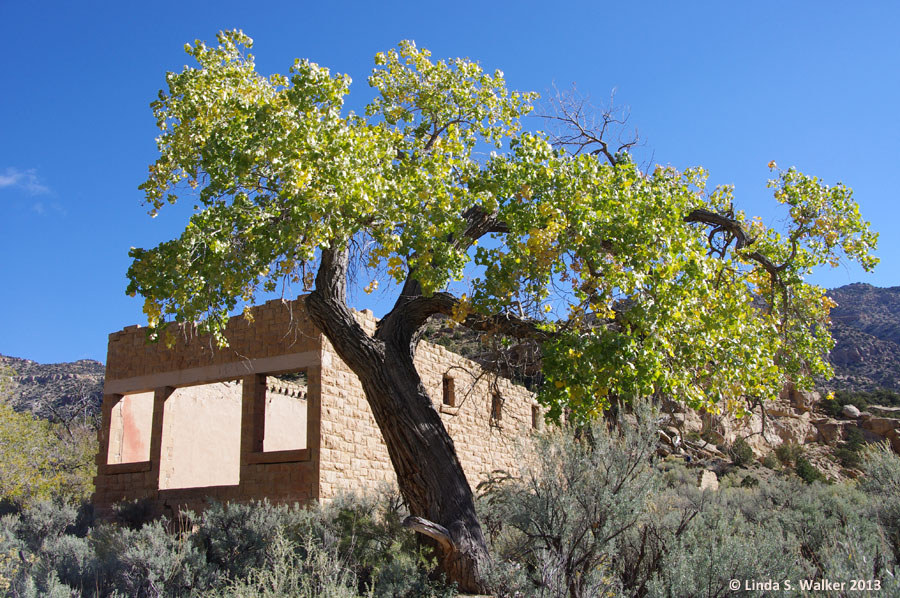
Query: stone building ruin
[277, 415]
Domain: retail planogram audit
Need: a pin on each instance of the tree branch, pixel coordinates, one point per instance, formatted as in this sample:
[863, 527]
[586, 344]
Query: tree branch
[730, 225]
[411, 309]
[436, 532]
[581, 129]
[413, 313]
[479, 223]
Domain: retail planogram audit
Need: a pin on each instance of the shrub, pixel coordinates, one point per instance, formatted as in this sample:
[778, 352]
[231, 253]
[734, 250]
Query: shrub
[150, 561]
[808, 472]
[882, 483]
[749, 481]
[133, 513]
[788, 453]
[560, 520]
[816, 515]
[859, 399]
[740, 453]
[833, 407]
[354, 547]
[293, 571]
[40, 460]
[720, 544]
[771, 461]
[847, 457]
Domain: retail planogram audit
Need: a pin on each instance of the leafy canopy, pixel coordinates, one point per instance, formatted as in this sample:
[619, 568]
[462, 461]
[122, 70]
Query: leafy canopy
[638, 284]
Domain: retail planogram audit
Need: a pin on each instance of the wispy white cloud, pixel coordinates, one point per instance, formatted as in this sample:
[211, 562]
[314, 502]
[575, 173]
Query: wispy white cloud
[22, 179]
[53, 208]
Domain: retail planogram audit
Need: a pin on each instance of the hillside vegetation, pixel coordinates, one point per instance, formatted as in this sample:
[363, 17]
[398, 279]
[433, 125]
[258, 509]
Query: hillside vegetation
[597, 514]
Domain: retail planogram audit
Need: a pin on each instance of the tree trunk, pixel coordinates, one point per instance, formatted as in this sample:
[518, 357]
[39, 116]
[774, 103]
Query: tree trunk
[430, 476]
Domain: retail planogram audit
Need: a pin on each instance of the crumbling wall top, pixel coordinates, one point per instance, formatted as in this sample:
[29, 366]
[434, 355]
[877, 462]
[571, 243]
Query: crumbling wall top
[275, 328]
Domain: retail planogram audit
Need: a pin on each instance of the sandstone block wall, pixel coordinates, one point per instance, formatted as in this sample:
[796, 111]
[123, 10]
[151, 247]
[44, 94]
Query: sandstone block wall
[223, 427]
[205, 443]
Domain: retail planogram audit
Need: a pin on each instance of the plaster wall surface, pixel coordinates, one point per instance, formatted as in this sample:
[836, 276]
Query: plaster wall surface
[129, 436]
[285, 426]
[201, 437]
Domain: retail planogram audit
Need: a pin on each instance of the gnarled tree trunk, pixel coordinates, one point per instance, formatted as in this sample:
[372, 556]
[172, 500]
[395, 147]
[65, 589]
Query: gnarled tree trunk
[429, 474]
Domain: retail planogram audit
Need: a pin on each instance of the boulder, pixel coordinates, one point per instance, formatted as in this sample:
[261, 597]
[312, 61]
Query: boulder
[709, 480]
[726, 429]
[850, 411]
[794, 430]
[882, 426]
[803, 400]
[781, 408]
[806, 399]
[830, 430]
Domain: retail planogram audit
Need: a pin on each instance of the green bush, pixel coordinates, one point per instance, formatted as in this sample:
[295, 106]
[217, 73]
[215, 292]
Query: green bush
[882, 483]
[353, 547]
[788, 453]
[720, 544]
[808, 472]
[675, 541]
[848, 453]
[771, 461]
[596, 514]
[860, 399]
[287, 572]
[847, 457]
[740, 453]
[833, 407]
[40, 460]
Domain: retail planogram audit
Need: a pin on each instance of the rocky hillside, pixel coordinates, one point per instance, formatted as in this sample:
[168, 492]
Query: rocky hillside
[866, 328]
[55, 390]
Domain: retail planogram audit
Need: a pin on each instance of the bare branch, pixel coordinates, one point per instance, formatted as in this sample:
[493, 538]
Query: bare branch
[728, 225]
[583, 127]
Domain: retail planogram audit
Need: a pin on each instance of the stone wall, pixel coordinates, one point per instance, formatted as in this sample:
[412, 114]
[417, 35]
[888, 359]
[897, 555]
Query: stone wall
[197, 439]
[230, 458]
[354, 456]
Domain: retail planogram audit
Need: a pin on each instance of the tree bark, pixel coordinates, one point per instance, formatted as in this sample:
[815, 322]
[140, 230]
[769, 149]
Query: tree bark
[429, 474]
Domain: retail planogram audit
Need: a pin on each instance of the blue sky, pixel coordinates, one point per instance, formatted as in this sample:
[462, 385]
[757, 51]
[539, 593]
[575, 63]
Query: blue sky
[729, 86]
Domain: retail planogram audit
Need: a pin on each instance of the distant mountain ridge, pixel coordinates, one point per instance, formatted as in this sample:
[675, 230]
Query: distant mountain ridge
[866, 329]
[55, 390]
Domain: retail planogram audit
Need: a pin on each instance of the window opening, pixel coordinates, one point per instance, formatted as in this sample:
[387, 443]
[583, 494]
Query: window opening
[286, 412]
[449, 392]
[130, 423]
[496, 408]
[201, 437]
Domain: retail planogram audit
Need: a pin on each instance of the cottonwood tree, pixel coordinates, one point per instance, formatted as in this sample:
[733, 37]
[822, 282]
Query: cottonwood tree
[634, 284]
